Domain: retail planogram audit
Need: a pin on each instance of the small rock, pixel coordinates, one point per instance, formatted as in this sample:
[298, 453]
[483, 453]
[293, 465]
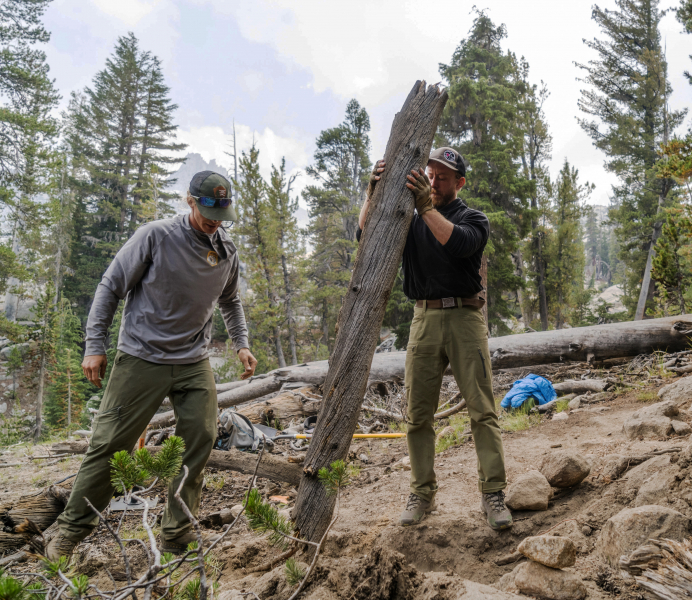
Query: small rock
[405, 463]
[655, 427]
[91, 560]
[3, 408]
[574, 403]
[446, 432]
[549, 550]
[565, 469]
[586, 530]
[434, 513]
[561, 416]
[680, 427]
[631, 527]
[534, 579]
[364, 458]
[679, 391]
[530, 491]
[286, 513]
[235, 510]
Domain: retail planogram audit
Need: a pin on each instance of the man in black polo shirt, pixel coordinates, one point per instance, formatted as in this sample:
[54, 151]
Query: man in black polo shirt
[442, 258]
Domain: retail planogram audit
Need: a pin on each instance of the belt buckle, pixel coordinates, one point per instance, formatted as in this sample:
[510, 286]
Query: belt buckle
[448, 303]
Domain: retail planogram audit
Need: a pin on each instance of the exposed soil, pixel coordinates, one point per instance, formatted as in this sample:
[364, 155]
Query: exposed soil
[368, 555]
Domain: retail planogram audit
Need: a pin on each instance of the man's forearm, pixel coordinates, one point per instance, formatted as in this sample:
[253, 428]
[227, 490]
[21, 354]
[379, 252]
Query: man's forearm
[363, 213]
[234, 318]
[440, 227]
[100, 318]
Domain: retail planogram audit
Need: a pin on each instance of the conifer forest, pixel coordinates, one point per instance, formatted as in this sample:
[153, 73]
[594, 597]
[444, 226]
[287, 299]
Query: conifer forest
[76, 183]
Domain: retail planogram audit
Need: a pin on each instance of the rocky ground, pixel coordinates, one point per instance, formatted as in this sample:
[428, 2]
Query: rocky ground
[593, 482]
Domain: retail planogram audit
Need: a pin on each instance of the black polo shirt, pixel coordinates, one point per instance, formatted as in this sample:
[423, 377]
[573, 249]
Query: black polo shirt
[433, 271]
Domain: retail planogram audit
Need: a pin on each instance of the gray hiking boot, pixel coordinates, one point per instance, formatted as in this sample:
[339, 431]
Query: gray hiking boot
[179, 545]
[59, 546]
[415, 510]
[498, 514]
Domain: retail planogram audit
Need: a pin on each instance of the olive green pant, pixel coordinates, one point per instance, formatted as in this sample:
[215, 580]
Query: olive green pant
[457, 337]
[134, 392]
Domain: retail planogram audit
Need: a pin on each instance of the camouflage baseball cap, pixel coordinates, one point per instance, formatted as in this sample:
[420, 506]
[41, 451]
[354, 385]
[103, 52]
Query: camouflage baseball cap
[449, 157]
[207, 185]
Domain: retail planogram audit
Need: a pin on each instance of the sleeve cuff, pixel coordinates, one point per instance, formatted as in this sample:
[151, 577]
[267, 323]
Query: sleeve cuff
[240, 344]
[95, 348]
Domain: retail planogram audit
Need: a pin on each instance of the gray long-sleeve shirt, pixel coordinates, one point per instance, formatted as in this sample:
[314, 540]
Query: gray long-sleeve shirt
[171, 276]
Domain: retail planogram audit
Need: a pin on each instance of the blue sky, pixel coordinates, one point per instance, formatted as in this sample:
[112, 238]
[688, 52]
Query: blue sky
[284, 70]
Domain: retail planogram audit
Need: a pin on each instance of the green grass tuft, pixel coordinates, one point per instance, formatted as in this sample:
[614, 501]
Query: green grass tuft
[459, 424]
[561, 405]
[647, 397]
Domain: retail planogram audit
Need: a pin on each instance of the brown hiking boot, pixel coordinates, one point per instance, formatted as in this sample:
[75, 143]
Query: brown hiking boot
[59, 546]
[179, 545]
[415, 510]
[493, 505]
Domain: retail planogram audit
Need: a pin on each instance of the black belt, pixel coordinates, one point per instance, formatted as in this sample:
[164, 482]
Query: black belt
[451, 303]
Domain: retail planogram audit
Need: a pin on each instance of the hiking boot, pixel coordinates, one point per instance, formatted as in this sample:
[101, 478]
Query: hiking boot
[415, 510]
[59, 546]
[179, 545]
[493, 505]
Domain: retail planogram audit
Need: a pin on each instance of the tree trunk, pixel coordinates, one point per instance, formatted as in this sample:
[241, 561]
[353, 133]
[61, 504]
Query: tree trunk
[363, 308]
[646, 293]
[325, 325]
[540, 275]
[39, 399]
[289, 312]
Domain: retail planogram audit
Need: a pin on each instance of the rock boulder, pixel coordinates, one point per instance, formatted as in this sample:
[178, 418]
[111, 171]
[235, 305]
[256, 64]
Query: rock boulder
[679, 391]
[534, 579]
[651, 422]
[549, 550]
[631, 527]
[565, 469]
[530, 491]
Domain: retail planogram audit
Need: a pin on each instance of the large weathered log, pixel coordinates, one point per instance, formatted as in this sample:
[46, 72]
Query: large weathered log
[42, 508]
[284, 407]
[661, 567]
[271, 467]
[360, 319]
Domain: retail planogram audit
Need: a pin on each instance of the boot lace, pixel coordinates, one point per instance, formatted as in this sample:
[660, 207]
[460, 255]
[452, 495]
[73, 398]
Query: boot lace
[496, 501]
[413, 502]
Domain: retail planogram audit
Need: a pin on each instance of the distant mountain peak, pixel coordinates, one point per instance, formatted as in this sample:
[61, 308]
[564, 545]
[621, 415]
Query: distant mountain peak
[194, 163]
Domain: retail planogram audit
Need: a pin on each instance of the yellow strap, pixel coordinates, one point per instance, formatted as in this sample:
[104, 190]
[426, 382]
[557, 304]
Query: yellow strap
[302, 436]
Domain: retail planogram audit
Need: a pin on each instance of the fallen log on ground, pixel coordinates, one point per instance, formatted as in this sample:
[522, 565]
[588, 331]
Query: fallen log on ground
[42, 508]
[271, 467]
[363, 307]
[598, 342]
[661, 567]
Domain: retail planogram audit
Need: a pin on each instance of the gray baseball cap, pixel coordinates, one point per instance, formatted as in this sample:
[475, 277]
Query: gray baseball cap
[449, 157]
[210, 190]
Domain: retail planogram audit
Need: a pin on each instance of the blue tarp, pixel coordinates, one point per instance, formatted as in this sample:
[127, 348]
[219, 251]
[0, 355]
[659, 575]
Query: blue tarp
[531, 386]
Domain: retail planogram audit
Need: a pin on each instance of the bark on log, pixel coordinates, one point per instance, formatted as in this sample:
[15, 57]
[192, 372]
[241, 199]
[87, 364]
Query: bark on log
[271, 467]
[661, 567]
[360, 318]
[42, 508]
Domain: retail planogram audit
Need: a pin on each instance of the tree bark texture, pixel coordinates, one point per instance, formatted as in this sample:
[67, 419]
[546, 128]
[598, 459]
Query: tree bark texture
[360, 319]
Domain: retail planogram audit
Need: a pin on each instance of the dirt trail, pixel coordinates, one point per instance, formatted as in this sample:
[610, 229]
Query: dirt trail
[368, 555]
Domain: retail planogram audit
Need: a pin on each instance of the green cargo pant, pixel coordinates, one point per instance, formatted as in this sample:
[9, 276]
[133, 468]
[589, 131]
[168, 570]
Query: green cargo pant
[134, 392]
[457, 337]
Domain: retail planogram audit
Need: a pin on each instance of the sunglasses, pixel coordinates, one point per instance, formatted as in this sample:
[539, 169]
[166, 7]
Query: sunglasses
[213, 202]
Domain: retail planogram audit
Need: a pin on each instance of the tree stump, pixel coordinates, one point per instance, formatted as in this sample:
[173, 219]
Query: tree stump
[362, 311]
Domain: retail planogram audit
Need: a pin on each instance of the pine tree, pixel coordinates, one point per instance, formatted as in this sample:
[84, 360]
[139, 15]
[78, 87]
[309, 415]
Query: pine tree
[258, 229]
[341, 169]
[481, 120]
[290, 247]
[684, 15]
[565, 249]
[536, 152]
[121, 138]
[627, 94]
[68, 388]
[672, 264]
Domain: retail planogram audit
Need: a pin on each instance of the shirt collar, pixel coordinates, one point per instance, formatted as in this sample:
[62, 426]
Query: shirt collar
[453, 205]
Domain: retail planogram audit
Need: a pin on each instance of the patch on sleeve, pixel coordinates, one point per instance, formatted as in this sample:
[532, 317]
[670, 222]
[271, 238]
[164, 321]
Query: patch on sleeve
[212, 258]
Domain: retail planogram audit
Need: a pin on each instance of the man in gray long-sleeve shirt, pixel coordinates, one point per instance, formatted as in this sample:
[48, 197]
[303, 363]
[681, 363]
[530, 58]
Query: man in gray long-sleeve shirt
[171, 274]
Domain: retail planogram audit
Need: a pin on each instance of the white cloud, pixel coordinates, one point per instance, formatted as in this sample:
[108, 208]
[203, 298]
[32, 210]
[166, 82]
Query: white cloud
[130, 12]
